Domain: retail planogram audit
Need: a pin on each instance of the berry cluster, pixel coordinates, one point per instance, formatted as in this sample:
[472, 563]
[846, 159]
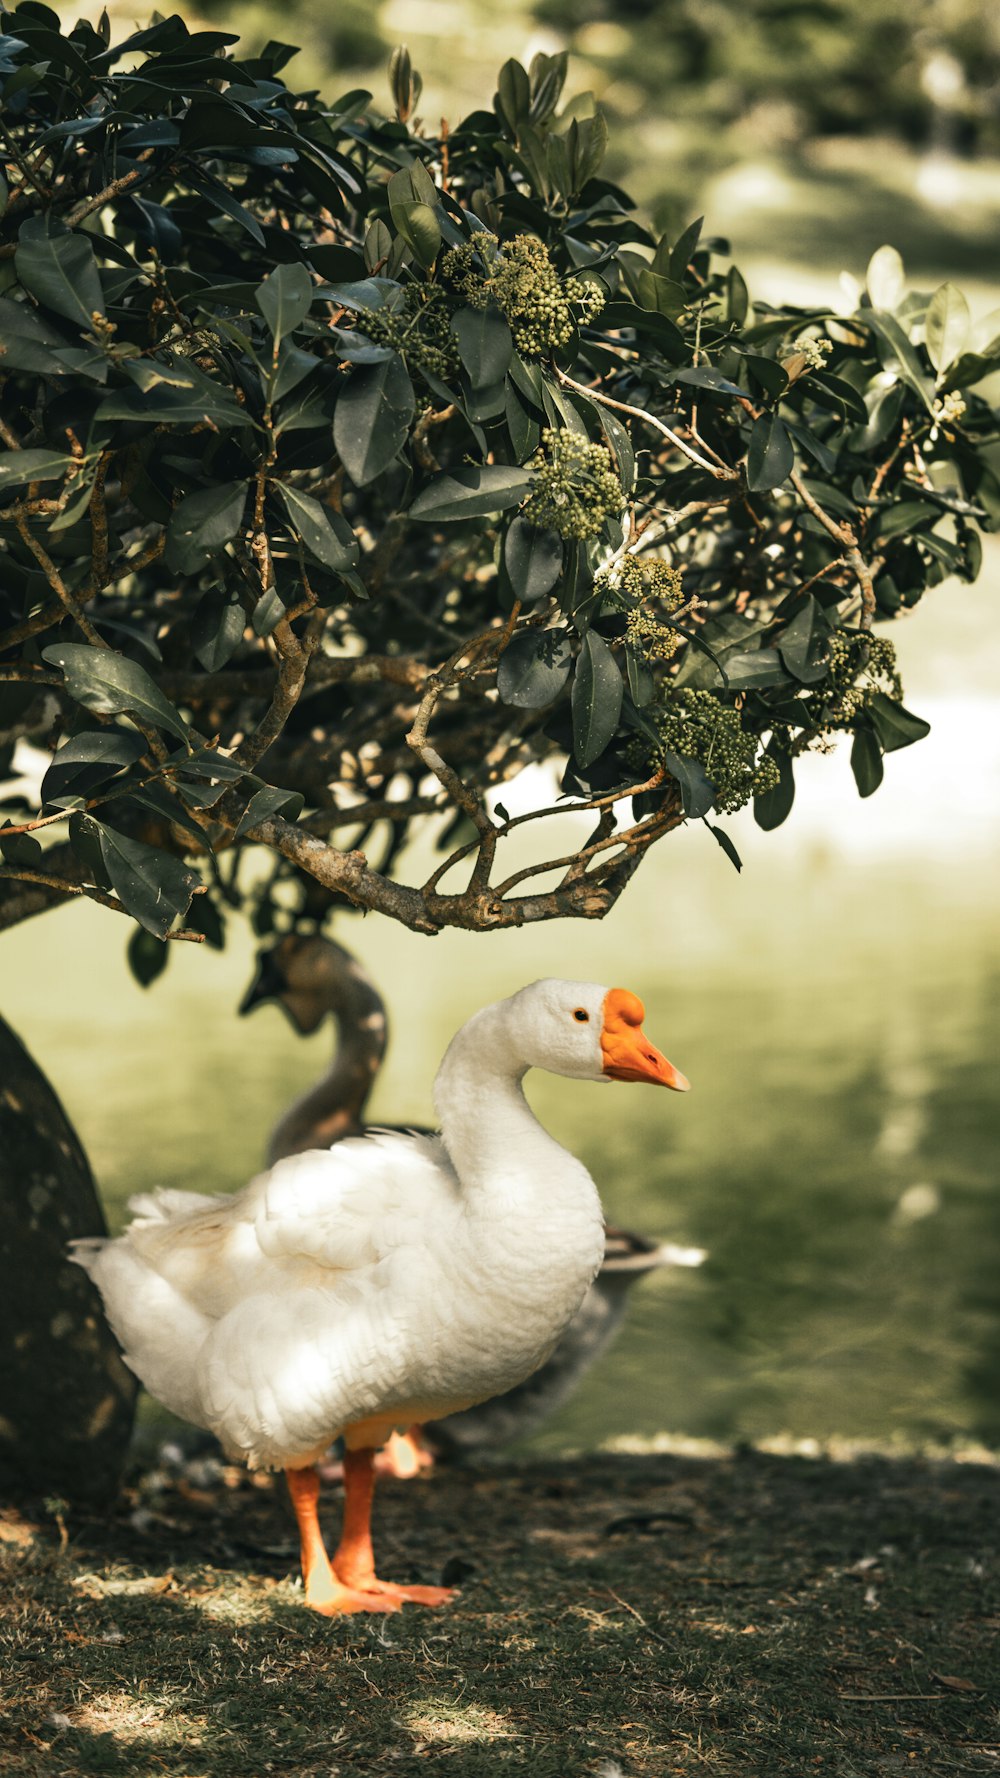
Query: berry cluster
[419, 328]
[575, 487]
[859, 666]
[520, 278]
[696, 725]
[644, 587]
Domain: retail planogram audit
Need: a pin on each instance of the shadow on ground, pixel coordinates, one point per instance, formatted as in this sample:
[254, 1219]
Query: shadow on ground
[744, 1615]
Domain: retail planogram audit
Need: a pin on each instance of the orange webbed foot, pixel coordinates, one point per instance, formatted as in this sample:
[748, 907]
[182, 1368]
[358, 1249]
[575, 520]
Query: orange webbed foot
[336, 1600]
[397, 1596]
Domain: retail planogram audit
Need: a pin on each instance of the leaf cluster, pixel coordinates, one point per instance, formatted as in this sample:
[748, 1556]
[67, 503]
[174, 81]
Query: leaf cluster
[307, 541]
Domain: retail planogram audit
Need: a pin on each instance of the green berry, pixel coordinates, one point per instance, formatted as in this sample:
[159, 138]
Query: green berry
[519, 276]
[575, 488]
[698, 726]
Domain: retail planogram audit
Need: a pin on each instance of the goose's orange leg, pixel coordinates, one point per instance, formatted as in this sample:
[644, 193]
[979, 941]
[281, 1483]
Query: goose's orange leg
[324, 1592]
[353, 1562]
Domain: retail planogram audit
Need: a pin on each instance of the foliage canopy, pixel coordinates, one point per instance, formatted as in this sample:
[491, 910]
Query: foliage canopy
[347, 469]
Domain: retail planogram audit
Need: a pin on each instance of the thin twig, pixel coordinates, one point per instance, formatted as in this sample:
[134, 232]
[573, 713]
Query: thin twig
[637, 413]
[107, 901]
[57, 583]
[847, 538]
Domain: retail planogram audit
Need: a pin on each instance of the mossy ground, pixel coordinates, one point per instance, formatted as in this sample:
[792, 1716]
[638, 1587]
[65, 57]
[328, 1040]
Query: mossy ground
[644, 1615]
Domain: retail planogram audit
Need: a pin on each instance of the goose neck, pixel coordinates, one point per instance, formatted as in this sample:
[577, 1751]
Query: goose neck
[488, 1127]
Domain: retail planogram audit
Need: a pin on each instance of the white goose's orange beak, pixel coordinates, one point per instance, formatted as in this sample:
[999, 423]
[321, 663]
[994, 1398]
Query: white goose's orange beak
[627, 1052]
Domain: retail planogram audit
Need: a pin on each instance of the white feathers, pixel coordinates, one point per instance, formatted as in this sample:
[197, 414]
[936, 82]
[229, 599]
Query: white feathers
[392, 1278]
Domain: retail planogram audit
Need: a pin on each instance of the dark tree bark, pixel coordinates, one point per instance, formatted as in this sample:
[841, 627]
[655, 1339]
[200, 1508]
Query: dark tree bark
[66, 1398]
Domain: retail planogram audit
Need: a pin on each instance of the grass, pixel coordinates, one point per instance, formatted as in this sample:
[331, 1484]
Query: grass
[643, 1616]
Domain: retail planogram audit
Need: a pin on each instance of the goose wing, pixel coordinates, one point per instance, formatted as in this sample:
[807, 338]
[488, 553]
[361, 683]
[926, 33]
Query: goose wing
[349, 1207]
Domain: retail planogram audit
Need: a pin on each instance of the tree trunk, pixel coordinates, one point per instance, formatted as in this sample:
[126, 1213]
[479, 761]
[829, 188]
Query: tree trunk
[66, 1398]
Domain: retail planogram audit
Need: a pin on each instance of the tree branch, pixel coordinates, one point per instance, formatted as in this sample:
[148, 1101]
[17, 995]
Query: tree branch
[44, 880]
[718, 470]
[847, 538]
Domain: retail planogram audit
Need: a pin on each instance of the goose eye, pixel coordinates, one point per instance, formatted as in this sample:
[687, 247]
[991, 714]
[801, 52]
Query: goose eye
[582, 1015]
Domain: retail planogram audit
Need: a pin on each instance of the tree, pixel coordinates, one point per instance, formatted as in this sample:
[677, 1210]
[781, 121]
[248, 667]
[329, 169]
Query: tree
[66, 1398]
[348, 469]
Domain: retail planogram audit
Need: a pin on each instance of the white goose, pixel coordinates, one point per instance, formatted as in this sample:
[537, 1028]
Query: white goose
[311, 977]
[388, 1280]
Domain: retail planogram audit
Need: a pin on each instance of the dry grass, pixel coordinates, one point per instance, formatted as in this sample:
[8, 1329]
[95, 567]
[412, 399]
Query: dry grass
[646, 1616]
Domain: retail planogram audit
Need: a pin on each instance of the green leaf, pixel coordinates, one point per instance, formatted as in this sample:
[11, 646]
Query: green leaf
[364, 294]
[894, 725]
[217, 628]
[85, 839]
[418, 226]
[596, 700]
[268, 800]
[534, 667]
[471, 493]
[203, 916]
[682, 253]
[770, 455]
[896, 353]
[705, 376]
[59, 269]
[586, 146]
[513, 99]
[154, 886]
[904, 518]
[641, 683]
[771, 375]
[533, 560]
[292, 367]
[661, 295]
[620, 446]
[696, 788]
[866, 762]
[147, 956]
[108, 683]
[163, 405]
[404, 83]
[20, 848]
[372, 418]
[284, 299]
[735, 309]
[268, 611]
[947, 326]
[885, 278]
[801, 643]
[720, 834]
[326, 535]
[824, 383]
[19, 467]
[86, 761]
[667, 338]
[485, 345]
[202, 523]
[774, 806]
[524, 429]
[754, 669]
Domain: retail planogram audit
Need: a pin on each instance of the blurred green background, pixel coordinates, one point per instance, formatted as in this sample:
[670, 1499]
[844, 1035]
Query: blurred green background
[836, 1007]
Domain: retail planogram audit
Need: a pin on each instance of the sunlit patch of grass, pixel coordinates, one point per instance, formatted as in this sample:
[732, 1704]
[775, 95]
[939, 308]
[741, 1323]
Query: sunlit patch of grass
[147, 1717]
[448, 1719]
